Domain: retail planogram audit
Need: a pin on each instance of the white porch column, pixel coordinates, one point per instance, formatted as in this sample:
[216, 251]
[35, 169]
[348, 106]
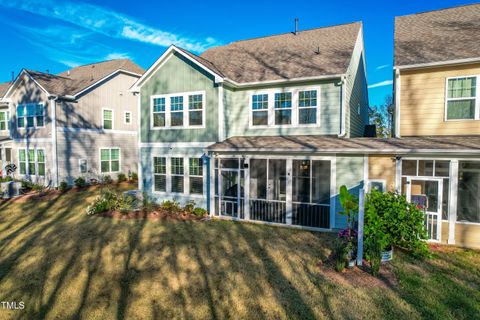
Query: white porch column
[333, 192]
[398, 175]
[452, 201]
[54, 142]
[246, 189]
[289, 192]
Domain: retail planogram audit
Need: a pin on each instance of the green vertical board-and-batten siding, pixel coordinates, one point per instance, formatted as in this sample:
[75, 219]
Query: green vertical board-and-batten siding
[179, 75]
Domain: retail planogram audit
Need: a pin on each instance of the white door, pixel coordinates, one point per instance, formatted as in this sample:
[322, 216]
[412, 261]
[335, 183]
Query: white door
[427, 194]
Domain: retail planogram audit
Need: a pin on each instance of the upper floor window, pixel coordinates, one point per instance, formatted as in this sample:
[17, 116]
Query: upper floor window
[107, 119]
[31, 115]
[127, 117]
[260, 109]
[298, 107]
[159, 112]
[110, 160]
[283, 108]
[463, 99]
[178, 110]
[195, 107]
[307, 107]
[4, 120]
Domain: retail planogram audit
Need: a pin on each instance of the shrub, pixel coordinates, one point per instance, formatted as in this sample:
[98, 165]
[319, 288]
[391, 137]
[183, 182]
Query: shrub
[6, 179]
[189, 207]
[27, 185]
[106, 179]
[125, 203]
[63, 186]
[147, 202]
[134, 176]
[121, 177]
[391, 220]
[80, 182]
[107, 201]
[171, 206]
[340, 254]
[200, 212]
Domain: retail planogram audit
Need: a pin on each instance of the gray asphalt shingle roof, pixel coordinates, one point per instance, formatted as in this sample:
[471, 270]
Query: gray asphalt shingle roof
[4, 87]
[310, 53]
[436, 36]
[75, 80]
[333, 144]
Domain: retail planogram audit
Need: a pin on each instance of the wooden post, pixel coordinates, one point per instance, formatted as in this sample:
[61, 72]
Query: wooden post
[361, 213]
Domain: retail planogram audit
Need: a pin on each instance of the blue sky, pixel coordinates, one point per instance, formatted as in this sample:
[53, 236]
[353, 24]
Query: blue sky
[55, 35]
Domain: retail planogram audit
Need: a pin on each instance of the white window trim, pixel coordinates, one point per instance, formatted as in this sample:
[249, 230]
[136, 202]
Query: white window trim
[103, 118]
[159, 174]
[35, 126]
[110, 160]
[7, 120]
[27, 166]
[477, 98]
[125, 118]
[295, 107]
[186, 110]
[80, 165]
[186, 176]
[196, 176]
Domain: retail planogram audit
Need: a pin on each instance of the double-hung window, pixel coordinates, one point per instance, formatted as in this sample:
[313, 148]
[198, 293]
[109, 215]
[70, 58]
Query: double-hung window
[31, 161]
[283, 108]
[260, 109]
[160, 174]
[196, 175]
[159, 118]
[195, 110]
[463, 99]
[110, 160]
[176, 111]
[307, 107]
[177, 175]
[4, 120]
[107, 119]
[31, 115]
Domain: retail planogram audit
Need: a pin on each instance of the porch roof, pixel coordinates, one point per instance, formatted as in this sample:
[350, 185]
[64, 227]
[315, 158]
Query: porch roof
[334, 144]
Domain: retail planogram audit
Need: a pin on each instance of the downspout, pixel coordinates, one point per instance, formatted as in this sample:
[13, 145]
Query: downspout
[343, 113]
[54, 141]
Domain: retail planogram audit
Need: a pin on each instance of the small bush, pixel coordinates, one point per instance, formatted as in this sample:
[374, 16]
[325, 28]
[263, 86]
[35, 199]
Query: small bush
[106, 179]
[80, 182]
[121, 177]
[340, 254]
[147, 203]
[63, 186]
[189, 207]
[171, 206]
[107, 201]
[200, 212]
[6, 179]
[134, 176]
[125, 203]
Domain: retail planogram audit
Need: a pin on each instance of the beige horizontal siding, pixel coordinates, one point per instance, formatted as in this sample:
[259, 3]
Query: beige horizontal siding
[382, 167]
[422, 102]
[466, 235]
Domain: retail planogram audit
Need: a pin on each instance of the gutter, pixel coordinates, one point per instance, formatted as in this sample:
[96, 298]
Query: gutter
[343, 111]
[438, 64]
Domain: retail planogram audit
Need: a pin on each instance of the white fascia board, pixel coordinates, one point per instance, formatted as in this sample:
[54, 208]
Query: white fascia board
[281, 81]
[137, 85]
[438, 64]
[468, 152]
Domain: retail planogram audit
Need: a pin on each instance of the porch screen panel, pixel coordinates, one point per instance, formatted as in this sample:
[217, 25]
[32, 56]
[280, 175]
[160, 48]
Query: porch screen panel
[311, 193]
[468, 200]
[268, 190]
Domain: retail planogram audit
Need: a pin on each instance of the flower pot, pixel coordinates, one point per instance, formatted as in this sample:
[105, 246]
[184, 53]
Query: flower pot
[387, 255]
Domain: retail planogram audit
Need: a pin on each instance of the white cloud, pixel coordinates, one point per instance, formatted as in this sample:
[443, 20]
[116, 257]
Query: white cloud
[383, 66]
[117, 55]
[380, 84]
[107, 22]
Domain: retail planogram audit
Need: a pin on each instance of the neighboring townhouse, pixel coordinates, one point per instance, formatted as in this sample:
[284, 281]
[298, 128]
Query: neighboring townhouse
[275, 94]
[437, 97]
[5, 141]
[82, 122]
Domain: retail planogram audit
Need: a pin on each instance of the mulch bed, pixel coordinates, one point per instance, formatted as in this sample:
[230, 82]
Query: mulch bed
[360, 276]
[154, 215]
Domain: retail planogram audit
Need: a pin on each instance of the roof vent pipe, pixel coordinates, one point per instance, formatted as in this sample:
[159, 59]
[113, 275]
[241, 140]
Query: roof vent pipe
[296, 26]
[13, 76]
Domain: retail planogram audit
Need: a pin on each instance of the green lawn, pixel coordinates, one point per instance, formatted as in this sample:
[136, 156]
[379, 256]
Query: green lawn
[64, 264]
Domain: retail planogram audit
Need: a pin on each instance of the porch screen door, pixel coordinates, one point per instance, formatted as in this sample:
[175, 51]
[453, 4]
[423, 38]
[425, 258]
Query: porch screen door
[427, 194]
